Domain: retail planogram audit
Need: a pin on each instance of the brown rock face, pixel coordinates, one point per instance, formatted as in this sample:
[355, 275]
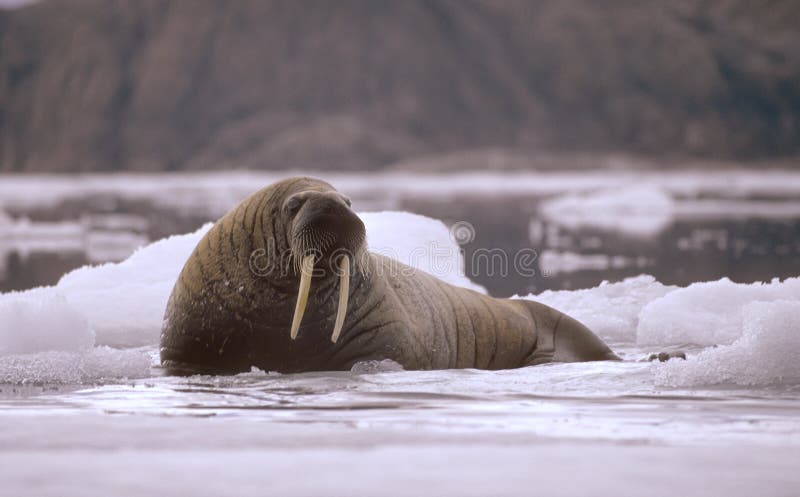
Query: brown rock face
[359, 84]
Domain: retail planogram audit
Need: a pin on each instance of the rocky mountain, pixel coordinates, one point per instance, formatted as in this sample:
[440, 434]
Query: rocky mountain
[97, 85]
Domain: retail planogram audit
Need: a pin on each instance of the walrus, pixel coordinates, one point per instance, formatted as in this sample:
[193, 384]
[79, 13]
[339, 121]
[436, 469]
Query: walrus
[284, 282]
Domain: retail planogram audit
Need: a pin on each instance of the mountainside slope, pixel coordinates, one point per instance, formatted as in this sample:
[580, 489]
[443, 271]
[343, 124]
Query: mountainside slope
[356, 84]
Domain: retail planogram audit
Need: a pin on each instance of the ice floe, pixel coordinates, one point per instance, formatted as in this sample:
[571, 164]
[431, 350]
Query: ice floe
[765, 353]
[641, 212]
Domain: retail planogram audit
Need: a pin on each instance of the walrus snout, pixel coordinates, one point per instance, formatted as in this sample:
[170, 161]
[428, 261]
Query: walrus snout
[323, 224]
[325, 233]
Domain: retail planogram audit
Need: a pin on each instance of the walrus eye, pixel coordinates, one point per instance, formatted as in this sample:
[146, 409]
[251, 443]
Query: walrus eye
[347, 200]
[292, 205]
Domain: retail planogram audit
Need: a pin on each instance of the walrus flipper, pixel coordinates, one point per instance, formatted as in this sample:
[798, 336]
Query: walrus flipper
[561, 338]
[574, 342]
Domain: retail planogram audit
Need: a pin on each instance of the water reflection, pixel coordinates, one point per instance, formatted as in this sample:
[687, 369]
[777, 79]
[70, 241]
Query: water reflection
[685, 251]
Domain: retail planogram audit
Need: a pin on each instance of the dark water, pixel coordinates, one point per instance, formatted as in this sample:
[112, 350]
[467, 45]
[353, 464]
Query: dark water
[688, 250]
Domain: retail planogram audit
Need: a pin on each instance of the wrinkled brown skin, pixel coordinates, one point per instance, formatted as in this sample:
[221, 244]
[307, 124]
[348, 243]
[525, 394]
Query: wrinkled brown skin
[224, 318]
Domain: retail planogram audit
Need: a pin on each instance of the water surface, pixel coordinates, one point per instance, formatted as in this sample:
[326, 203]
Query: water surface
[596, 428]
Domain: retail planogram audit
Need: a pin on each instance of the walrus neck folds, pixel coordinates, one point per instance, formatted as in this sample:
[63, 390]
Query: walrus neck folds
[327, 235]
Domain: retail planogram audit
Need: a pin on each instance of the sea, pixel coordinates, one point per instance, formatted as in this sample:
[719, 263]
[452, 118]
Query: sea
[627, 251]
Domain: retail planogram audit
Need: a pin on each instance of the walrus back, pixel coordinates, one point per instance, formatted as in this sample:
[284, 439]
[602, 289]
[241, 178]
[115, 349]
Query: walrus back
[459, 328]
[203, 330]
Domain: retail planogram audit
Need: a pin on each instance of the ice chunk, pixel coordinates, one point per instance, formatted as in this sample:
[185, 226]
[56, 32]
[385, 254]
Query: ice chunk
[371, 367]
[124, 302]
[91, 365]
[554, 262]
[420, 242]
[41, 320]
[707, 313]
[766, 353]
[636, 211]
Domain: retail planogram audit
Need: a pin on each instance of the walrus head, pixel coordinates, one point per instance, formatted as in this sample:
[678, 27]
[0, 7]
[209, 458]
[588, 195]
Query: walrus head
[325, 237]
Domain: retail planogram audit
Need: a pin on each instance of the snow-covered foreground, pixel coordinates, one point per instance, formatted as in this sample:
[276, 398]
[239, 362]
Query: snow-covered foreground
[83, 410]
[226, 456]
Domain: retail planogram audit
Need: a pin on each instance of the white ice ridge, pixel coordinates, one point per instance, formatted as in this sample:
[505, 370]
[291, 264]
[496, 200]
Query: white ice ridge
[610, 309]
[752, 330]
[765, 353]
[644, 211]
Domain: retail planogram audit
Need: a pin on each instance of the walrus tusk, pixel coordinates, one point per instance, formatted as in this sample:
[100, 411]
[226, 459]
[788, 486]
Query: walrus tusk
[344, 293]
[302, 293]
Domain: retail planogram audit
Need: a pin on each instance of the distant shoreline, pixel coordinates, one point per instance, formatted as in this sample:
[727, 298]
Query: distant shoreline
[488, 160]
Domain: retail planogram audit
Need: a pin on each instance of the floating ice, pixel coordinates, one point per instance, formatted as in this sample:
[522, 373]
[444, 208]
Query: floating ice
[707, 313]
[555, 262]
[635, 211]
[74, 367]
[25, 236]
[62, 333]
[370, 367]
[124, 302]
[757, 326]
[96, 236]
[42, 321]
[766, 353]
[420, 242]
[216, 192]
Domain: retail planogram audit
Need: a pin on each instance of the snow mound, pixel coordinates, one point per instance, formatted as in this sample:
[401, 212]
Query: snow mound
[753, 329]
[707, 313]
[420, 242]
[635, 211]
[766, 353]
[611, 309]
[124, 302]
[44, 321]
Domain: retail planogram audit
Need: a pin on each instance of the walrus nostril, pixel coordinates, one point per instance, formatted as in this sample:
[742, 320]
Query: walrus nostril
[328, 211]
[327, 207]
